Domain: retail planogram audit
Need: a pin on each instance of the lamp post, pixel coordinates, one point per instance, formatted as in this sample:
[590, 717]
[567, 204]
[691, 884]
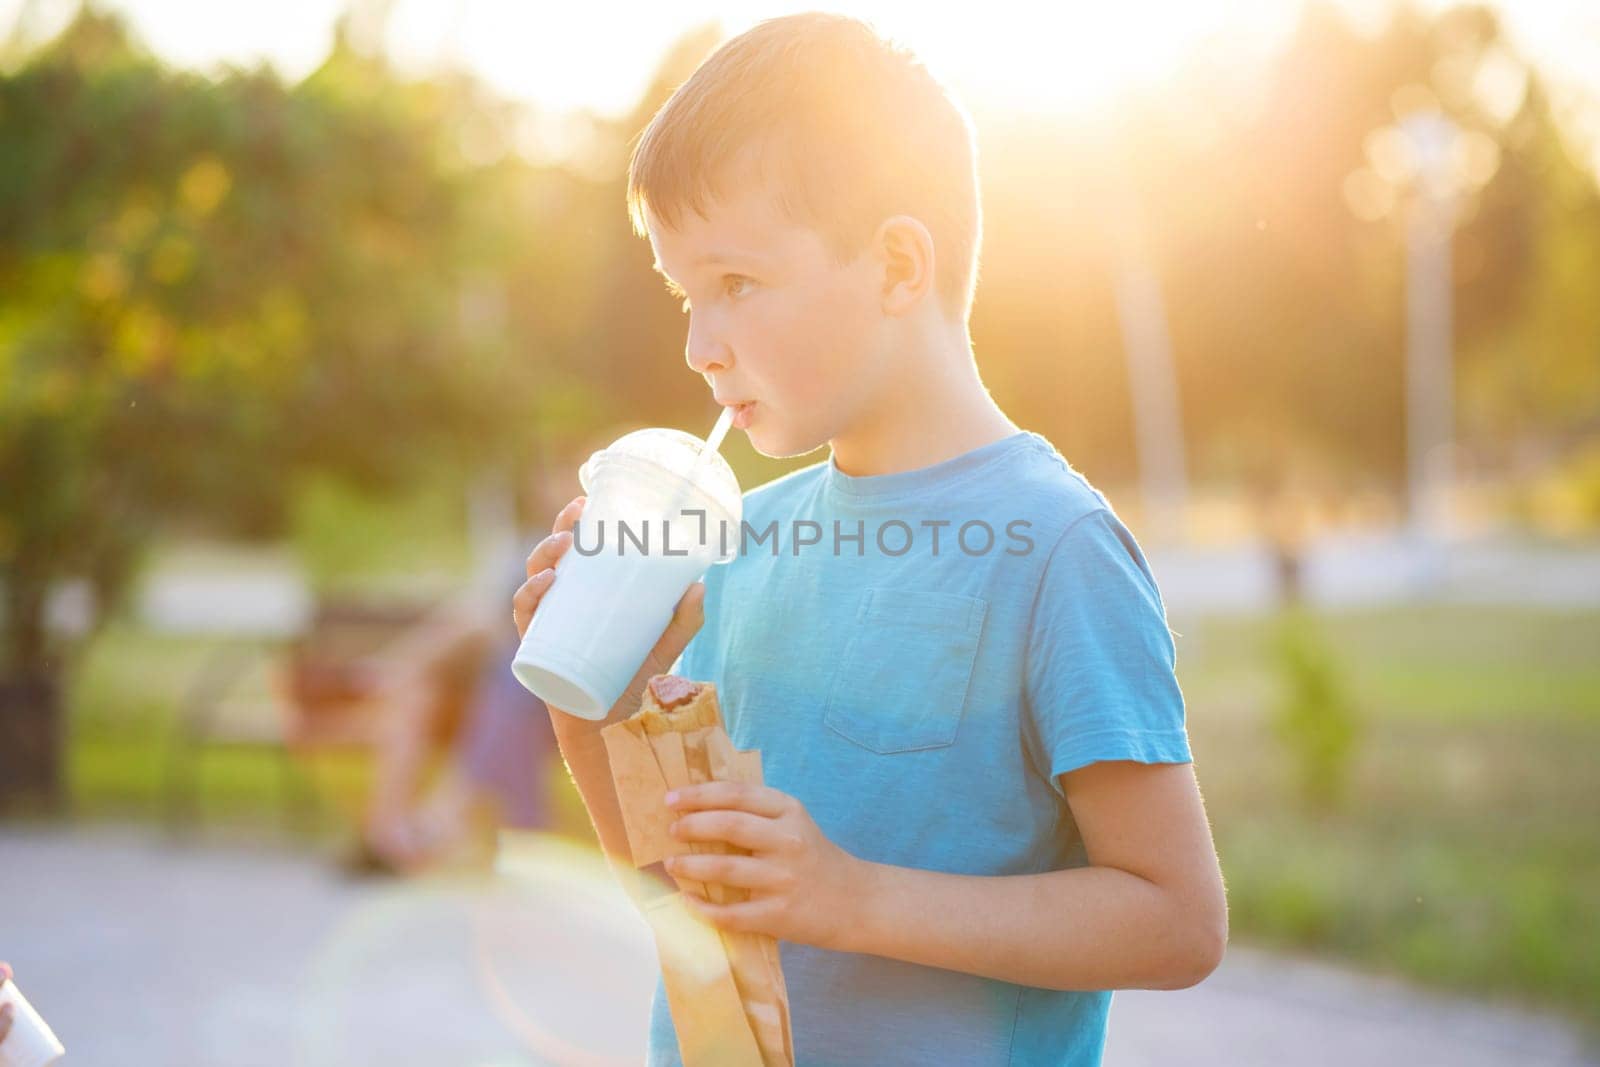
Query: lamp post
[1430, 364]
[1420, 172]
[1152, 376]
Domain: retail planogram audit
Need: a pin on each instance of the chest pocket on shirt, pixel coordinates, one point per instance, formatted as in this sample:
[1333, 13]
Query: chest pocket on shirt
[902, 683]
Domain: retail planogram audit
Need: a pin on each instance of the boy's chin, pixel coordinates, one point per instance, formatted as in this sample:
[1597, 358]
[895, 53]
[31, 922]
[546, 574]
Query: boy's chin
[769, 449]
[774, 443]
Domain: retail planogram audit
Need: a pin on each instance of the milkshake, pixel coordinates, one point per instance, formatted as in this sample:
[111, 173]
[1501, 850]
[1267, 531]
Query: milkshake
[662, 507]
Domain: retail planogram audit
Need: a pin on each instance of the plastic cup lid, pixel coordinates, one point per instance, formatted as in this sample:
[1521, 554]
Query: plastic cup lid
[678, 454]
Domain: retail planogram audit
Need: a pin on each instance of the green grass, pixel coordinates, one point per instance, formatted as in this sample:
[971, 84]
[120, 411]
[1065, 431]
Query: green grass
[124, 709]
[124, 741]
[126, 696]
[1466, 854]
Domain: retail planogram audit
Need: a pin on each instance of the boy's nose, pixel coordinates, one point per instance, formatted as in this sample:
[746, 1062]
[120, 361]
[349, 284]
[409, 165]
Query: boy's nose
[702, 351]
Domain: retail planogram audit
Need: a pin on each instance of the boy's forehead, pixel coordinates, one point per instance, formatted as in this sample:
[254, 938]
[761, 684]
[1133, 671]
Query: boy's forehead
[738, 225]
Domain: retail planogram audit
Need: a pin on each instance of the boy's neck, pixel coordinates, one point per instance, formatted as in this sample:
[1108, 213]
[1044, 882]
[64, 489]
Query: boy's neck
[938, 409]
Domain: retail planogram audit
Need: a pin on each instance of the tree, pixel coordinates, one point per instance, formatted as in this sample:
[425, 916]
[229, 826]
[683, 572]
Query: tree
[209, 287]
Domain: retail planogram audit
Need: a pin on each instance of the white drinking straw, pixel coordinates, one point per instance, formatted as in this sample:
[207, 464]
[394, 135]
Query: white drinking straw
[713, 443]
[719, 431]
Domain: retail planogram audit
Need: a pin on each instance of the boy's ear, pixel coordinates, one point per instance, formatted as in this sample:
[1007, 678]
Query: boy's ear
[904, 248]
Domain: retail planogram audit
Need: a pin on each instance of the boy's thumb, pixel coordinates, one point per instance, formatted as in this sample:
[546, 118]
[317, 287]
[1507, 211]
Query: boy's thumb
[685, 623]
[688, 616]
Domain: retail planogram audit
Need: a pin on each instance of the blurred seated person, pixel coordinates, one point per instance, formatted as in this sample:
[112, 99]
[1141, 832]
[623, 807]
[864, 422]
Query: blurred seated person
[449, 680]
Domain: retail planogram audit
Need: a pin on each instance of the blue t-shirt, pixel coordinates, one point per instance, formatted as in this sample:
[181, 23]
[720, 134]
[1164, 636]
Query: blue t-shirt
[919, 656]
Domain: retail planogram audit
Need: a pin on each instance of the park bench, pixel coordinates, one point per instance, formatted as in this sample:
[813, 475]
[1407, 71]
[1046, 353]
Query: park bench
[322, 696]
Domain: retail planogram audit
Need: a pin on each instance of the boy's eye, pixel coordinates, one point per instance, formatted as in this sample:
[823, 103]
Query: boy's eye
[734, 285]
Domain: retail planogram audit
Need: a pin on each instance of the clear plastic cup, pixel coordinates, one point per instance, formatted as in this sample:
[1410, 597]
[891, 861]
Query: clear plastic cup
[661, 510]
[30, 1042]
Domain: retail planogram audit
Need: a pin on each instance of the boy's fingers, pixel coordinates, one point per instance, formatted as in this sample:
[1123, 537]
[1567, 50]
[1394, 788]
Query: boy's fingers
[760, 800]
[751, 916]
[547, 552]
[737, 828]
[567, 517]
[5, 1021]
[5, 972]
[550, 550]
[740, 872]
[526, 599]
[687, 618]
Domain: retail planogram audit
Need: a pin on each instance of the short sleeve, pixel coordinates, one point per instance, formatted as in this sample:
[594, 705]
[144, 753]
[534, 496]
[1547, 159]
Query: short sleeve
[1100, 676]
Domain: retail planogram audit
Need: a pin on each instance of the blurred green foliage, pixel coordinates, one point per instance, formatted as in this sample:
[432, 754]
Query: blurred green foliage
[1463, 853]
[1314, 718]
[215, 286]
[345, 538]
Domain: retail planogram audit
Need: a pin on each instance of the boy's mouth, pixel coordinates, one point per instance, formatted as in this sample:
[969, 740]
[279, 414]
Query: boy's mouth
[743, 413]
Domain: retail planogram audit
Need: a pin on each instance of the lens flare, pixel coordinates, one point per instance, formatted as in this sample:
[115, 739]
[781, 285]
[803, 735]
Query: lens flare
[546, 961]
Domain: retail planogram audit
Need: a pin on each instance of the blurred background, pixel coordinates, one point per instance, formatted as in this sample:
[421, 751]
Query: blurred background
[309, 311]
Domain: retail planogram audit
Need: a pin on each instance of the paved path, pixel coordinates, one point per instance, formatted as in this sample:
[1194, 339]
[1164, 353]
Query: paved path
[217, 955]
[1355, 570]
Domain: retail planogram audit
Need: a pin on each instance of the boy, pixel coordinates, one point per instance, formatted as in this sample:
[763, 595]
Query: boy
[981, 813]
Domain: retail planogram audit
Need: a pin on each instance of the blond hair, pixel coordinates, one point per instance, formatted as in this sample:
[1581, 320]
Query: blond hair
[849, 128]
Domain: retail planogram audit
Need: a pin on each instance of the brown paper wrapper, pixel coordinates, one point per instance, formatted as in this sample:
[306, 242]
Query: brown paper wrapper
[725, 989]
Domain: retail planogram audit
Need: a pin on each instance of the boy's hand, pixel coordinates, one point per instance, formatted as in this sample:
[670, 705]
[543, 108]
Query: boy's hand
[803, 887]
[541, 568]
[542, 564]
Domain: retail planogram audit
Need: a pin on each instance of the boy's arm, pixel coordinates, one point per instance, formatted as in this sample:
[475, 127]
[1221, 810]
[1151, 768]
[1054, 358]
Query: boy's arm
[582, 748]
[1148, 912]
[584, 751]
[585, 756]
